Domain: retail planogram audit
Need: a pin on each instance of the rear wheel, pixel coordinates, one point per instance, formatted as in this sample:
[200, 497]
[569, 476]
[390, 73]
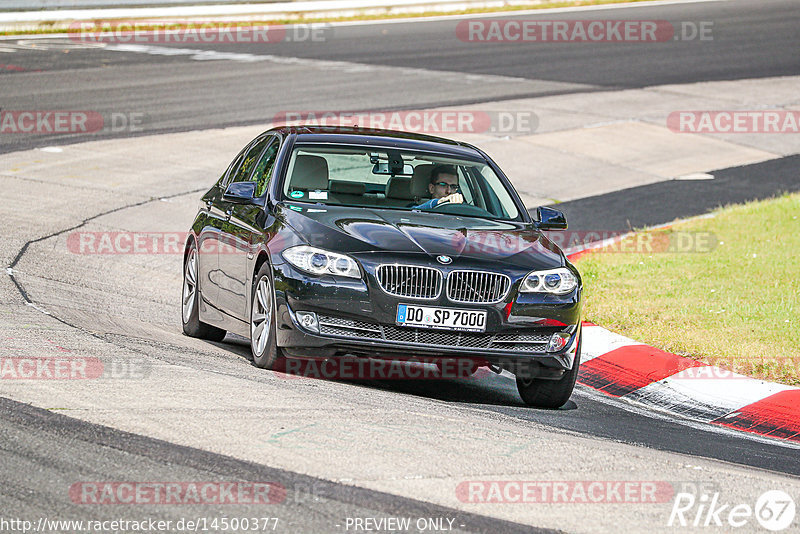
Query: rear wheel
[266, 353]
[550, 393]
[190, 302]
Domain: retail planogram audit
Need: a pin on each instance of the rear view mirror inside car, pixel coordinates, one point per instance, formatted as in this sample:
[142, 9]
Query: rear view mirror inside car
[384, 168]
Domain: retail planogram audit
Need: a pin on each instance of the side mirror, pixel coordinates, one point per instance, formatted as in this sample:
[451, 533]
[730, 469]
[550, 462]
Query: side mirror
[240, 193]
[550, 219]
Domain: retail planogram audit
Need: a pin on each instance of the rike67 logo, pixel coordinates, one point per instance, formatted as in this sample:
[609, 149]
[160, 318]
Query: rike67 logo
[774, 510]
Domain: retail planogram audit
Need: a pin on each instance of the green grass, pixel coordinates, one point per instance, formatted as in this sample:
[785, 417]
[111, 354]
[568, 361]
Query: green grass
[47, 27]
[735, 306]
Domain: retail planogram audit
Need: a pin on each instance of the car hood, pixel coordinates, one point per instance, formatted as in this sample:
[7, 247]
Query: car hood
[354, 230]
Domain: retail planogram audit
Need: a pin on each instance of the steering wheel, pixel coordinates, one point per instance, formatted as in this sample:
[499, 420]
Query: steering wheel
[460, 209]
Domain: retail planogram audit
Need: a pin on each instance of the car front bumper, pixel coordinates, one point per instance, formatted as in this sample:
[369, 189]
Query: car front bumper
[355, 318]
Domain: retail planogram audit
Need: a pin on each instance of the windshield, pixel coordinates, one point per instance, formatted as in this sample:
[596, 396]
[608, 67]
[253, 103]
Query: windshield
[394, 179]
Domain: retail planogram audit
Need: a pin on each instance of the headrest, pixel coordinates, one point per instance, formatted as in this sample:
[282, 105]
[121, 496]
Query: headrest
[399, 187]
[347, 187]
[310, 173]
[420, 180]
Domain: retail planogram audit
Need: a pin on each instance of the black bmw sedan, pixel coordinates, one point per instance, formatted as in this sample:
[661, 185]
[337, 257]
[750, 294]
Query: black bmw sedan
[322, 242]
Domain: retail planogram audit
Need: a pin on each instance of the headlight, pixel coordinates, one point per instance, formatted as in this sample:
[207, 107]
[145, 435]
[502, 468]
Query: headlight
[317, 261]
[556, 281]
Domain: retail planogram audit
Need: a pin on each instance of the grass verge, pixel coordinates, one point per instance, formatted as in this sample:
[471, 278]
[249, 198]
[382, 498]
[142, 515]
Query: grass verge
[732, 302]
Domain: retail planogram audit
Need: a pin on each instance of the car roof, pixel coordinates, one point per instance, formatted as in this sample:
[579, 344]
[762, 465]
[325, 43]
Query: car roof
[378, 137]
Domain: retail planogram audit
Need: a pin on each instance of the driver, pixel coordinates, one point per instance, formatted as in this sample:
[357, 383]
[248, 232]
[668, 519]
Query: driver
[443, 187]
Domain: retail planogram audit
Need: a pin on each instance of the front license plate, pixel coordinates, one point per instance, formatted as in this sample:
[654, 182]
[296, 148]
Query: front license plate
[443, 318]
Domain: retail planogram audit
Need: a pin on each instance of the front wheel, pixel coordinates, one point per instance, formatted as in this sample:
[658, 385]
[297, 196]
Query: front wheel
[550, 393]
[266, 353]
[190, 302]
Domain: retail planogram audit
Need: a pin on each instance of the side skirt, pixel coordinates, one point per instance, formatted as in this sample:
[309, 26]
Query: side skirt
[211, 315]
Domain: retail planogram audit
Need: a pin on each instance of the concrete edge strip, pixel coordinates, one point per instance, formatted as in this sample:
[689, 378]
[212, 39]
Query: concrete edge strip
[624, 368]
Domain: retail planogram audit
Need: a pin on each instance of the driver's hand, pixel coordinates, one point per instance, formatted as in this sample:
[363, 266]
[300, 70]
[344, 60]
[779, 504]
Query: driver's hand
[455, 198]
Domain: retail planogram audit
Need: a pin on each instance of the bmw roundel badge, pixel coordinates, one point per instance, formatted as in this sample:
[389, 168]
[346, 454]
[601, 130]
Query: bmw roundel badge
[444, 260]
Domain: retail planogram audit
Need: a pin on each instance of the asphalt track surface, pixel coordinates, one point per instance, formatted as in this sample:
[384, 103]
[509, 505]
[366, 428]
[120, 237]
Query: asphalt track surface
[302, 504]
[751, 40]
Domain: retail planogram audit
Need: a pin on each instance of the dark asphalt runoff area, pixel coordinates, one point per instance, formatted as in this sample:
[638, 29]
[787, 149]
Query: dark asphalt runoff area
[663, 202]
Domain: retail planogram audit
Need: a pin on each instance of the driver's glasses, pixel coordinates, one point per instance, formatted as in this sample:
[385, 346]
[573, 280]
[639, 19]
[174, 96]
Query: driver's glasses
[451, 187]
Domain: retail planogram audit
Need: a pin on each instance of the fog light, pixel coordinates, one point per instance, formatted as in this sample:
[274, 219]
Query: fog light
[558, 341]
[308, 320]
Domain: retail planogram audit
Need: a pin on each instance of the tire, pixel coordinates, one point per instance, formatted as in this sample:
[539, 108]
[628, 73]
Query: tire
[266, 353]
[550, 393]
[190, 302]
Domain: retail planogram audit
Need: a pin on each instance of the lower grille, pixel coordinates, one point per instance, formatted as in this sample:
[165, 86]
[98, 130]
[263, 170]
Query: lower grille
[516, 342]
[521, 347]
[522, 338]
[335, 326]
[436, 337]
